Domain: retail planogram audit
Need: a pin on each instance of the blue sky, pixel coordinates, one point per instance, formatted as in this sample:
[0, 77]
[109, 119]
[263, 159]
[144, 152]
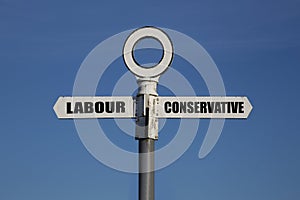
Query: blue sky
[256, 46]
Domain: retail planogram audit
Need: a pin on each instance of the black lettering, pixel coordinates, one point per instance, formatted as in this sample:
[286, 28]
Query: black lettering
[175, 107]
[78, 108]
[234, 106]
[99, 107]
[197, 107]
[217, 107]
[168, 107]
[120, 107]
[210, 106]
[182, 107]
[190, 107]
[203, 108]
[241, 107]
[88, 107]
[109, 107]
[223, 106]
[69, 108]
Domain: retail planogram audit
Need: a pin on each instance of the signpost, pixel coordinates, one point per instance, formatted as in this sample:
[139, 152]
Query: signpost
[203, 107]
[94, 107]
[164, 107]
[147, 106]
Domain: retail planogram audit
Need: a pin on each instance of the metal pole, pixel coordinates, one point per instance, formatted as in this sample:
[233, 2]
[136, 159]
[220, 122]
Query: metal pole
[146, 99]
[146, 161]
[146, 133]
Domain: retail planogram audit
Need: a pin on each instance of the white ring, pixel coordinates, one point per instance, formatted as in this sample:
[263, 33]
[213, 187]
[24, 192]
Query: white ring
[134, 38]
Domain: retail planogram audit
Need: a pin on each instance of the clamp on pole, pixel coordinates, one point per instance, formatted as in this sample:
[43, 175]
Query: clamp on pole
[146, 120]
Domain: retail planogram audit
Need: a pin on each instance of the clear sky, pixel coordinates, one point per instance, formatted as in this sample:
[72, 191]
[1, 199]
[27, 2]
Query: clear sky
[256, 46]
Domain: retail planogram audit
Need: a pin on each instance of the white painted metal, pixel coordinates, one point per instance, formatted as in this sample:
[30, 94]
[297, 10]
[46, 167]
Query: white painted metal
[147, 86]
[134, 38]
[147, 78]
[203, 107]
[90, 107]
[146, 120]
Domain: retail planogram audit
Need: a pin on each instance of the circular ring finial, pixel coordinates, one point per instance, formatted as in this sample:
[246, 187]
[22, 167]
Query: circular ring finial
[134, 38]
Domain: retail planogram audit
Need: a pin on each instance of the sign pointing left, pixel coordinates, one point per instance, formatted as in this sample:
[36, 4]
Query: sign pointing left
[95, 107]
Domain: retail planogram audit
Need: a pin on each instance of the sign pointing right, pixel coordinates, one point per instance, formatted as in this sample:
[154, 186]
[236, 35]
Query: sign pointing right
[203, 107]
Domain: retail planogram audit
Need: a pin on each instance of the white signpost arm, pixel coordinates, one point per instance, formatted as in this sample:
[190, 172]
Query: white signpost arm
[209, 107]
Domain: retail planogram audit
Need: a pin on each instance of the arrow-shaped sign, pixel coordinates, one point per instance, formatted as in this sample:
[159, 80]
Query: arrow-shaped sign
[203, 107]
[94, 107]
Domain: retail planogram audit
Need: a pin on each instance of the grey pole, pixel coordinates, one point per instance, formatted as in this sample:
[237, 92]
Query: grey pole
[146, 134]
[146, 179]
